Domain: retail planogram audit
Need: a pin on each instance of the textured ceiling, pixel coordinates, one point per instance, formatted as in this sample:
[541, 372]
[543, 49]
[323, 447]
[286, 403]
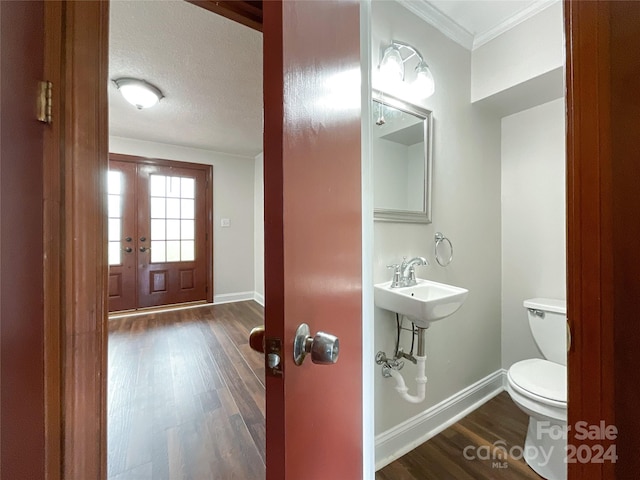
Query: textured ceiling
[210, 70]
[208, 67]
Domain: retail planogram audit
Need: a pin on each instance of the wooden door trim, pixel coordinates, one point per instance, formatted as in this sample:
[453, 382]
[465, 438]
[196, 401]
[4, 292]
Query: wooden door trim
[273, 87]
[161, 162]
[53, 252]
[74, 189]
[603, 201]
[208, 170]
[248, 13]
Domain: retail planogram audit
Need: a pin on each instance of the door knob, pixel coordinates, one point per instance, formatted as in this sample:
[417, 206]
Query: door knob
[143, 239]
[256, 339]
[144, 249]
[128, 249]
[323, 347]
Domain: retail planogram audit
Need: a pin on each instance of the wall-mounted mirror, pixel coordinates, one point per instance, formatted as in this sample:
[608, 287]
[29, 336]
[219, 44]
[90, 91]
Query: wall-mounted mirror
[401, 147]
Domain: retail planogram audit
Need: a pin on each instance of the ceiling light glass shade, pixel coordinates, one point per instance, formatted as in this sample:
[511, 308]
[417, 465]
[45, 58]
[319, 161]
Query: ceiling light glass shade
[392, 65]
[424, 84]
[138, 93]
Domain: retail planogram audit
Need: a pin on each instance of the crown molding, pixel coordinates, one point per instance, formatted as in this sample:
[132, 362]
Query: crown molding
[512, 21]
[434, 17]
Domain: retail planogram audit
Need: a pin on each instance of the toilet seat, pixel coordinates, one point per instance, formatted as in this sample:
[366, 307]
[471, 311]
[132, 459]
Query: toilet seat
[540, 380]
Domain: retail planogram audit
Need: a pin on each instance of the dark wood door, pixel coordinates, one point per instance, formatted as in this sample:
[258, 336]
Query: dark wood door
[121, 189]
[159, 224]
[22, 332]
[313, 235]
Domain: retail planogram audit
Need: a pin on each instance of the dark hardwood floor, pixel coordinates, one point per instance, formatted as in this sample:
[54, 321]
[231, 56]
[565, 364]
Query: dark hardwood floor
[187, 401]
[186, 395]
[443, 457]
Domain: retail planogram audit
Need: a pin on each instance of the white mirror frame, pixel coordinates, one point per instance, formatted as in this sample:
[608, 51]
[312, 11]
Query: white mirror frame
[410, 216]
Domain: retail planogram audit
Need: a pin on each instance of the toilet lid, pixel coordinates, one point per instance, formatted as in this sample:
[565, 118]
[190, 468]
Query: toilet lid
[541, 377]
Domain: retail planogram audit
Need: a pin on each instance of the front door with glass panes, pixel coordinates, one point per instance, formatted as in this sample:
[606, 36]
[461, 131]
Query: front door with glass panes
[159, 230]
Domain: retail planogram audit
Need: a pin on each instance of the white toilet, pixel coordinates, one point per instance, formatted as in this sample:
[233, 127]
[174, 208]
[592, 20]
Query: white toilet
[539, 388]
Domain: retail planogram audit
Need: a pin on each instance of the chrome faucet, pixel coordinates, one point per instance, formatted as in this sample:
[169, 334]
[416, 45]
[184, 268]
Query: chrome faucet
[404, 274]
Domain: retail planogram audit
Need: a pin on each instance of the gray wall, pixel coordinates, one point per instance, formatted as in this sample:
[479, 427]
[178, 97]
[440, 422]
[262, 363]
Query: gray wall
[233, 198]
[533, 220]
[465, 347]
[258, 229]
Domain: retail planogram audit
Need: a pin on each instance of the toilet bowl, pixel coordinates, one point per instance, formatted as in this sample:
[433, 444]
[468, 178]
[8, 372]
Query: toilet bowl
[539, 388]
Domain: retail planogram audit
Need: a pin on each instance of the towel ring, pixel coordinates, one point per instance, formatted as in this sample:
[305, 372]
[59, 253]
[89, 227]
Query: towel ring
[439, 239]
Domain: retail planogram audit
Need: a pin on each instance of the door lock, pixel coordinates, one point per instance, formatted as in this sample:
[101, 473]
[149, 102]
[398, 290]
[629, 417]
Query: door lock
[323, 347]
[271, 347]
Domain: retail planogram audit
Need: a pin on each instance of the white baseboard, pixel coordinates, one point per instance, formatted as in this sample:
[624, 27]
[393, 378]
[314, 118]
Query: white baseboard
[233, 297]
[258, 297]
[403, 438]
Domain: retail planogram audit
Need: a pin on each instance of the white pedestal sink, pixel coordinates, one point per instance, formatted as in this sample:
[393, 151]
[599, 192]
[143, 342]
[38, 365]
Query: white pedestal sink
[424, 302]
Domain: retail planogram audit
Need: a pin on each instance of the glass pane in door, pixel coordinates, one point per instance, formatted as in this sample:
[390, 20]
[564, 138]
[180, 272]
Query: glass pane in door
[114, 204]
[172, 219]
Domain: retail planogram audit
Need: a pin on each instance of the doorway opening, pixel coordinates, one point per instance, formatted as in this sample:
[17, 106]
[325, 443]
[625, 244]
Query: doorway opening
[185, 393]
[159, 233]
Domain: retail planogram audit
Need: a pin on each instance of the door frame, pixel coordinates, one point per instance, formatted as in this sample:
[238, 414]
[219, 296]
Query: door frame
[209, 239]
[76, 334]
[603, 294]
[75, 228]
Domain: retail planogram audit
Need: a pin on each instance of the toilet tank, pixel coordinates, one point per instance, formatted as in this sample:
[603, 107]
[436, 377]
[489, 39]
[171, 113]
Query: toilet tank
[548, 323]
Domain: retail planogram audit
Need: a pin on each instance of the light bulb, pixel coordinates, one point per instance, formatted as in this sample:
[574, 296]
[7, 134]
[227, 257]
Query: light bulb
[138, 92]
[424, 84]
[392, 66]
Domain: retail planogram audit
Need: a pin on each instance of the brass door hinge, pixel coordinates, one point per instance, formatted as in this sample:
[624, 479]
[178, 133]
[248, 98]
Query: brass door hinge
[45, 100]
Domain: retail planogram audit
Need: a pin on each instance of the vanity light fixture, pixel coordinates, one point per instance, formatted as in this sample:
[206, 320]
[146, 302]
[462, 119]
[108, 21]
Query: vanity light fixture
[138, 93]
[393, 71]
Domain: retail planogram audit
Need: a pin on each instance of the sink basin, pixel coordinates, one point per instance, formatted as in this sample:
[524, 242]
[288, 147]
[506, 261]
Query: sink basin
[424, 303]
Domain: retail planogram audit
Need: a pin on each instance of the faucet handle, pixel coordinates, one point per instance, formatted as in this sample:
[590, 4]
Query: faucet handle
[395, 280]
[412, 276]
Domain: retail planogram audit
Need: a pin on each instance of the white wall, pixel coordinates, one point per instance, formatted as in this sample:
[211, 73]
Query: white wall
[233, 198]
[533, 220]
[465, 347]
[258, 228]
[530, 49]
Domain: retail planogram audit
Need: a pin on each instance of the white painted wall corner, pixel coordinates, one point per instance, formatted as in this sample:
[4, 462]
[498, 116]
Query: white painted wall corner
[401, 439]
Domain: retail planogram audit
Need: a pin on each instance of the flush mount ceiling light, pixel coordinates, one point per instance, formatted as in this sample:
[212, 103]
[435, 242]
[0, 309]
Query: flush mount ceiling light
[393, 72]
[138, 93]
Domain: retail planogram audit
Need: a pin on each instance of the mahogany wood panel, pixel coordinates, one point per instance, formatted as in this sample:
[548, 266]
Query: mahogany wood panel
[85, 144]
[22, 391]
[443, 456]
[53, 243]
[588, 251]
[316, 170]
[247, 13]
[624, 18]
[186, 395]
[603, 76]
